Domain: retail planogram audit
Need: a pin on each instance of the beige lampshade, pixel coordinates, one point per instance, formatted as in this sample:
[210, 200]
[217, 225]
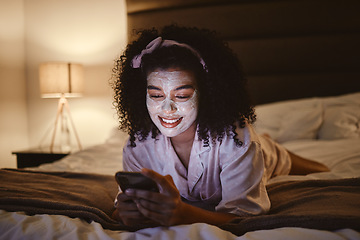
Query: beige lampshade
[57, 78]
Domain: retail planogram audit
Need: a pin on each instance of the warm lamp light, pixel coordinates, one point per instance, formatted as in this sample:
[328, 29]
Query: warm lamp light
[58, 79]
[62, 80]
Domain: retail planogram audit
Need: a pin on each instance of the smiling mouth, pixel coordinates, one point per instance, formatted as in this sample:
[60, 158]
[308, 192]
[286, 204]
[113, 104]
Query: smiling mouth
[170, 123]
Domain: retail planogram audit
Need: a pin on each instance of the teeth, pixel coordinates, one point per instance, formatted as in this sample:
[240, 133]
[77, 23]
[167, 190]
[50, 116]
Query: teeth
[170, 120]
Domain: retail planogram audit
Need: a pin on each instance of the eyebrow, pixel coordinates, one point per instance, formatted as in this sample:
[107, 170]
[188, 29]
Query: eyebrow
[184, 87]
[152, 87]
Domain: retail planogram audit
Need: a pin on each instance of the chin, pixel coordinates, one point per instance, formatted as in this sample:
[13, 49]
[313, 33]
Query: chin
[170, 133]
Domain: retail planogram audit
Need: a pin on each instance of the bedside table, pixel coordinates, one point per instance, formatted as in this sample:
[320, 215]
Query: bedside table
[35, 157]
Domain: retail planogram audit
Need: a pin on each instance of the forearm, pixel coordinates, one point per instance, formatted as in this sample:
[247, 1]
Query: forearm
[167, 208]
[190, 214]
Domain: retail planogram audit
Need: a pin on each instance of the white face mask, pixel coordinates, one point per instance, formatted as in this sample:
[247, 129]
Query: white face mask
[172, 100]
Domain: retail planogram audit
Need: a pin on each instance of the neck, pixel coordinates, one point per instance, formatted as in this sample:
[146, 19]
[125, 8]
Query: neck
[186, 137]
[182, 144]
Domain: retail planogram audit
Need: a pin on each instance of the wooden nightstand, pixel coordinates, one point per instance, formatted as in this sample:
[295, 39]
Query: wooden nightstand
[35, 157]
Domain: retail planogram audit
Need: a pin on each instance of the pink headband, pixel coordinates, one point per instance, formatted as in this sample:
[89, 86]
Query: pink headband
[158, 43]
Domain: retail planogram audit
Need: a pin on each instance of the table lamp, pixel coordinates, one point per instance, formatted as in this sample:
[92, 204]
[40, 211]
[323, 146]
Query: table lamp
[62, 80]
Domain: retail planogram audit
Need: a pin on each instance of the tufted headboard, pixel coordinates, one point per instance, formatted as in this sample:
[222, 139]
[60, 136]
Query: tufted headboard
[289, 48]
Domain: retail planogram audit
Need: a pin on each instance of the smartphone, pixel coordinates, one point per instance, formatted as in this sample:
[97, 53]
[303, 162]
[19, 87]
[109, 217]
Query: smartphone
[135, 180]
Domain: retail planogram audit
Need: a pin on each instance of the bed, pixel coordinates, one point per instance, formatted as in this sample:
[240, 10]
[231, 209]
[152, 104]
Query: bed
[316, 206]
[301, 60]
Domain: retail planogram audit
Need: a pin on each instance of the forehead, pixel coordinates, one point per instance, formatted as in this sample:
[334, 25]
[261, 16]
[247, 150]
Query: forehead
[170, 77]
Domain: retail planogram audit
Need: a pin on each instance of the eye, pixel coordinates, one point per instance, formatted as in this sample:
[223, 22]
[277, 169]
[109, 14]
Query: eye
[182, 96]
[154, 96]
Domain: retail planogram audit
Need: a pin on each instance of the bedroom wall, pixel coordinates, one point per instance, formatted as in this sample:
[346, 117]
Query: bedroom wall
[13, 117]
[289, 49]
[89, 32]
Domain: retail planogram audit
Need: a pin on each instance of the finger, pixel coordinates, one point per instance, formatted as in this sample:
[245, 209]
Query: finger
[163, 207]
[160, 218]
[155, 199]
[138, 194]
[131, 214]
[137, 220]
[126, 206]
[128, 217]
[152, 174]
[122, 197]
[166, 182]
[156, 207]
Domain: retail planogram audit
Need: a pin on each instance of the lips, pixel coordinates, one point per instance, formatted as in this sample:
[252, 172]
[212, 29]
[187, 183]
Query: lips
[170, 123]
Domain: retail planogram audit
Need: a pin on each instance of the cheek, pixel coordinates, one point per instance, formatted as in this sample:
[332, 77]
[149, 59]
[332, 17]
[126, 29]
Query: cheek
[152, 106]
[188, 108]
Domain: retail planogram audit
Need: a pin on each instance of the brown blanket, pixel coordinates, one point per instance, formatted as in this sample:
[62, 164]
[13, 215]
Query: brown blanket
[317, 204]
[86, 196]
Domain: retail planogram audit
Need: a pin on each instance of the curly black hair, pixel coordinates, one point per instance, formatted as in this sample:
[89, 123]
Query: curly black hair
[224, 101]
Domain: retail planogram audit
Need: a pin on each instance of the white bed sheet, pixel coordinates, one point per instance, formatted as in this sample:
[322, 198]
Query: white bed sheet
[104, 158]
[20, 226]
[342, 156]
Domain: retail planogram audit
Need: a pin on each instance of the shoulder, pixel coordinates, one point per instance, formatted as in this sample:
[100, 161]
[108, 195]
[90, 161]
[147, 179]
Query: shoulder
[138, 157]
[247, 142]
[241, 137]
[142, 145]
[247, 135]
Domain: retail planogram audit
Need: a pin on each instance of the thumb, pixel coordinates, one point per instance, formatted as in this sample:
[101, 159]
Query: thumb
[166, 183]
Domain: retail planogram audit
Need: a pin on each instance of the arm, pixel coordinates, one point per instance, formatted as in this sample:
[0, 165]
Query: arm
[126, 210]
[242, 172]
[166, 207]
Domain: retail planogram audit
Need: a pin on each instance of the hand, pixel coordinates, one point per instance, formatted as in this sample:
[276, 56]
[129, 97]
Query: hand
[165, 207]
[127, 212]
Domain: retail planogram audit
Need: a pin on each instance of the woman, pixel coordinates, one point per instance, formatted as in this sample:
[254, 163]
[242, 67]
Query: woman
[182, 97]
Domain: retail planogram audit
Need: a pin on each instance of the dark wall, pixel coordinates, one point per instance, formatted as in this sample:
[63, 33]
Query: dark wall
[289, 48]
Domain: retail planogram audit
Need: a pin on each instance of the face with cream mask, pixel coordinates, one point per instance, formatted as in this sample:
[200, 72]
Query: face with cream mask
[172, 100]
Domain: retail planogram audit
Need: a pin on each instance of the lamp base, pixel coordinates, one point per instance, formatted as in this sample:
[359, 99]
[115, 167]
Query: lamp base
[65, 137]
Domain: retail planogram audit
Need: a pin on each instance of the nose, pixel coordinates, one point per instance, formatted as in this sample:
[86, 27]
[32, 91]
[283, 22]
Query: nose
[169, 106]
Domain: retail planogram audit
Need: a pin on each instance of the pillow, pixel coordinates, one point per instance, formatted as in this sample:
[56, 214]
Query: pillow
[302, 118]
[347, 99]
[340, 122]
[302, 123]
[290, 120]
